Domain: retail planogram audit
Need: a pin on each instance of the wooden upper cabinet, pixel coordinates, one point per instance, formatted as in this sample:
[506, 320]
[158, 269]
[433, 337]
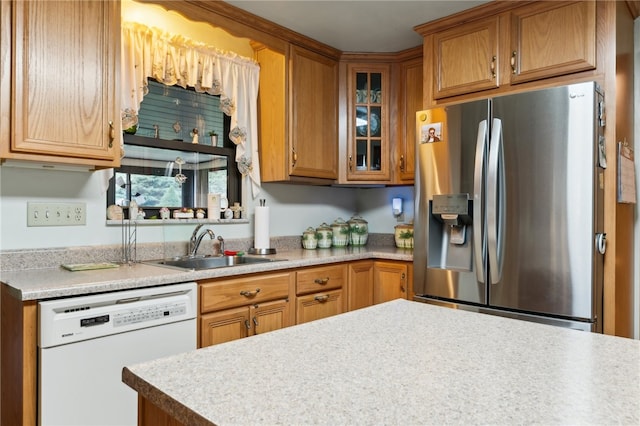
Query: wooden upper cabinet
[369, 110]
[500, 44]
[298, 100]
[552, 38]
[314, 114]
[411, 101]
[466, 58]
[64, 79]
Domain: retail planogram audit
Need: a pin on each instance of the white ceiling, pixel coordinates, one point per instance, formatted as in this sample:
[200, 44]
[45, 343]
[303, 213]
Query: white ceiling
[356, 25]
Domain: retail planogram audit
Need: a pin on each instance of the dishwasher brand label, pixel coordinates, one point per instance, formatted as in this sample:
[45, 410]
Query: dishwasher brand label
[88, 322]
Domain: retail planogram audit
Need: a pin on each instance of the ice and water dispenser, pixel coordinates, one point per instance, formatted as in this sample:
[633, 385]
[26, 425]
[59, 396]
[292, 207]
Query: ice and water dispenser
[451, 232]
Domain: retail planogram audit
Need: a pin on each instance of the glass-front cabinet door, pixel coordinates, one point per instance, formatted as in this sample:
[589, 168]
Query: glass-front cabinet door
[368, 148]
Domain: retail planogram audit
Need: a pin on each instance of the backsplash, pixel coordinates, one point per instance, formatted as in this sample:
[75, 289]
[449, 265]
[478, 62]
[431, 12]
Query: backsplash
[12, 260]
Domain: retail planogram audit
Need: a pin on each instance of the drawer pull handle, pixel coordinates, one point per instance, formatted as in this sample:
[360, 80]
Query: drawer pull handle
[321, 299]
[321, 281]
[247, 293]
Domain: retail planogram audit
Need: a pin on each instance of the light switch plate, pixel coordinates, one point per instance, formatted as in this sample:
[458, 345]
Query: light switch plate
[56, 214]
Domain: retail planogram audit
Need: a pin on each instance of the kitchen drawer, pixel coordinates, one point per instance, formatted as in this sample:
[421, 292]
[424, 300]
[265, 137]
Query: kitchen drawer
[223, 294]
[322, 278]
[321, 305]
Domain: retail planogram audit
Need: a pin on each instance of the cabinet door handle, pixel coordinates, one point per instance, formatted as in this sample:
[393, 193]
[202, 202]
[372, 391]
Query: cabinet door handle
[402, 288]
[350, 163]
[493, 66]
[321, 299]
[321, 281]
[248, 293]
[112, 134]
[514, 54]
[255, 323]
[402, 163]
[247, 324]
[294, 157]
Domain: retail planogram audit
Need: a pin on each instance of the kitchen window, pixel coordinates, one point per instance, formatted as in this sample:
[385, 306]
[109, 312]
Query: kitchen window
[162, 167]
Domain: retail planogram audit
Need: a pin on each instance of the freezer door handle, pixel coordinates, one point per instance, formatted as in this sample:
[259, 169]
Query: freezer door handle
[601, 243]
[495, 203]
[478, 197]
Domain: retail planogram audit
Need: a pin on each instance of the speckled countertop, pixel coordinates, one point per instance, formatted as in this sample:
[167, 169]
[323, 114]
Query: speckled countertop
[46, 283]
[402, 362]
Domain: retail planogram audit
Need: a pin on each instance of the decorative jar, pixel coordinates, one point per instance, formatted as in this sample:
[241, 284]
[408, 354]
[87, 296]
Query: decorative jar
[340, 230]
[324, 235]
[309, 240]
[404, 235]
[358, 231]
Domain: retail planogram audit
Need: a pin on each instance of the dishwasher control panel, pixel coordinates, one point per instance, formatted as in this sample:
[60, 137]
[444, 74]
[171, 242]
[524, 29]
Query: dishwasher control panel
[74, 319]
[150, 313]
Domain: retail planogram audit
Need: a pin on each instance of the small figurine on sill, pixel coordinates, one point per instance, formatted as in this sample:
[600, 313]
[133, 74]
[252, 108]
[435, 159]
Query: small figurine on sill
[237, 210]
[165, 213]
[194, 134]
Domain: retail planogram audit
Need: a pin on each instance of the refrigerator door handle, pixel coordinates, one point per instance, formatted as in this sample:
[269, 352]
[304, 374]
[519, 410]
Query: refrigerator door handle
[495, 203]
[478, 197]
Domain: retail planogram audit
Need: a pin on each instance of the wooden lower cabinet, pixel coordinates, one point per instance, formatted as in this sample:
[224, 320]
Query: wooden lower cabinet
[236, 323]
[319, 292]
[149, 414]
[320, 305]
[235, 308]
[390, 281]
[360, 286]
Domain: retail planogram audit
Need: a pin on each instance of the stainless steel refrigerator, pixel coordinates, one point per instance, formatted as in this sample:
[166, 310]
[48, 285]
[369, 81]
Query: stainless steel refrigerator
[509, 206]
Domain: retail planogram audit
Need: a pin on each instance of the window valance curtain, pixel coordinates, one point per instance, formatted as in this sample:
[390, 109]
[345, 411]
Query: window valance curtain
[175, 60]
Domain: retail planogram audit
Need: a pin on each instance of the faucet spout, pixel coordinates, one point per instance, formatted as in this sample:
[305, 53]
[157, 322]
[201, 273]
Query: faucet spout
[196, 239]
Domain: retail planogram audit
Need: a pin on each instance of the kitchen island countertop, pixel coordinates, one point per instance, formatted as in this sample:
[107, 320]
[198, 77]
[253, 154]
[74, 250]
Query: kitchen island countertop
[402, 362]
[38, 284]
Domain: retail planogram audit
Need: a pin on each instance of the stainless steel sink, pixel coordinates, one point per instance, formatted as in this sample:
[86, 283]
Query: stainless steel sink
[200, 263]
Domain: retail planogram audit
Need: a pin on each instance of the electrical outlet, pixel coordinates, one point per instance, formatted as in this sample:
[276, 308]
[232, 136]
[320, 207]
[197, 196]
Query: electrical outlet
[56, 214]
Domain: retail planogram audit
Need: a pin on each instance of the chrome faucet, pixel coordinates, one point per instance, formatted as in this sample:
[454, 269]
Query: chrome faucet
[196, 239]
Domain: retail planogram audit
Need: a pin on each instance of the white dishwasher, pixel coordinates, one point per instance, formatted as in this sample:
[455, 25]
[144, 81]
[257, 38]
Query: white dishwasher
[84, 342]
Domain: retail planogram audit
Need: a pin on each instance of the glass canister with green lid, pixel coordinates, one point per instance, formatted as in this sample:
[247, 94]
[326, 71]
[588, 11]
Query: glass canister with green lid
[324, 235]
[340, 230]
[358, 231]
[309, 240]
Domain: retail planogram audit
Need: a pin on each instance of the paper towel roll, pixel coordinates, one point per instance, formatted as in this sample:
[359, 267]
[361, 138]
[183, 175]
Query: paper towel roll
[261, 239]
